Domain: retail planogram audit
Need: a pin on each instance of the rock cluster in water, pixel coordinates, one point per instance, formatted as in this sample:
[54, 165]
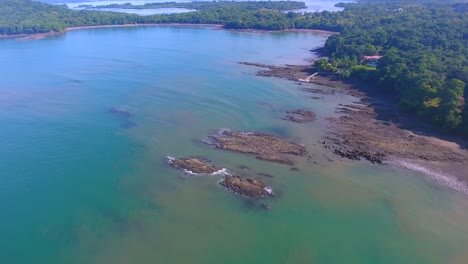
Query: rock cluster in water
[266, 146]
[247, 187]
[301, 116]
[194, 165]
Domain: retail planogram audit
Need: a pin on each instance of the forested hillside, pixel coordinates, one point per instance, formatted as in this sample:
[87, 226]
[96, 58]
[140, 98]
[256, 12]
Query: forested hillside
[424, 56]
[423, 46]
[29, 17]
[205, 5]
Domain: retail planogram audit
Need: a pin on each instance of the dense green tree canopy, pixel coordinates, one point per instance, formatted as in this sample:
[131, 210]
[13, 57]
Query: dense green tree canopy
[424, 49]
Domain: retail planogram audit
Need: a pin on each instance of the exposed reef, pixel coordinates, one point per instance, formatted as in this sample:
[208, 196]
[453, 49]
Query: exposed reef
[257, 143]
[358, 133]
[193, 165]
[266, 146]
[247, 187]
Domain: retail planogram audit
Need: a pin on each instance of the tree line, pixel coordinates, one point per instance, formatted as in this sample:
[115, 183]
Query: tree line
[205, 5]
[424, 56]
[423, 45]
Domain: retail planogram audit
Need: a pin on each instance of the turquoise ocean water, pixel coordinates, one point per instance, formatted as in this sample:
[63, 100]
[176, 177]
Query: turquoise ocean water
[80, 184]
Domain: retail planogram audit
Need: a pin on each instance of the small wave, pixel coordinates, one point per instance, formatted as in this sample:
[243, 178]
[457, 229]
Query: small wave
[269, 190]
[222, 131]
[441, 177]
[222, 171]
[189, 172]
[170, 159]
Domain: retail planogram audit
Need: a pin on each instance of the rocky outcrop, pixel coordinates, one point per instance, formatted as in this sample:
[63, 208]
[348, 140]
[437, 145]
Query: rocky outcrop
[358, 154]
[267, 147]
[193, 165]
[296, 72]
[257, 143]
[359, 133]
[301, 116]
[247, 187]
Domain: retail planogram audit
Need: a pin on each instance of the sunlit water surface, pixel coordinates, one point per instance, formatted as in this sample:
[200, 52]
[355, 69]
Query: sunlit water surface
[80, 184]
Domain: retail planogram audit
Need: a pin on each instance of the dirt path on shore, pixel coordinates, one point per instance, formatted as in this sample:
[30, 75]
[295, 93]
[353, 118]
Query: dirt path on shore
[363, 131]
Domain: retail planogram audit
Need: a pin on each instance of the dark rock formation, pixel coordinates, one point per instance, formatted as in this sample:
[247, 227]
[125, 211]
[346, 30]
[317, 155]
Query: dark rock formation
[193, 165]
[247, 187]
[257, 143]
[356, 154]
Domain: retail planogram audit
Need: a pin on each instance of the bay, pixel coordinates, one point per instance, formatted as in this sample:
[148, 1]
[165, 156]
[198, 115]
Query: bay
[81, 184]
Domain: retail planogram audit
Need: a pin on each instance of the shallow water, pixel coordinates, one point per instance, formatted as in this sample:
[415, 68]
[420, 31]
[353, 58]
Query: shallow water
[80, 185]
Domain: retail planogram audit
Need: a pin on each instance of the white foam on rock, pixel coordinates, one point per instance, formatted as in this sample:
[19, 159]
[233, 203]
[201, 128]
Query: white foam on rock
[222, 171]
[222, 130]
[269, 190]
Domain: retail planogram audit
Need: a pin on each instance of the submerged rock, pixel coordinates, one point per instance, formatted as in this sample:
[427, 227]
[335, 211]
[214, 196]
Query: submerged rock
[121, 112]
[276, 159]
[124, 115]
[265, 175]
[247, 187]
[243, 167]
[257, 143]
[301, 116]
[193, 165]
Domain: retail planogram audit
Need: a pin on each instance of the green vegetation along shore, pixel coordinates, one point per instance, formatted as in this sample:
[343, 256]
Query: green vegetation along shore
[414, 52]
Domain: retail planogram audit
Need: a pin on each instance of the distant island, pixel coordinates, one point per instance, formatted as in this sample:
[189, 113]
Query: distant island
[207, 5]
[413, 52]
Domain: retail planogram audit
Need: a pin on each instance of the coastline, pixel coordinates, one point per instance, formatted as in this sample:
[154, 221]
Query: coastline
[213, 26]
[373, 129]
[363, 118]
[54, 33]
